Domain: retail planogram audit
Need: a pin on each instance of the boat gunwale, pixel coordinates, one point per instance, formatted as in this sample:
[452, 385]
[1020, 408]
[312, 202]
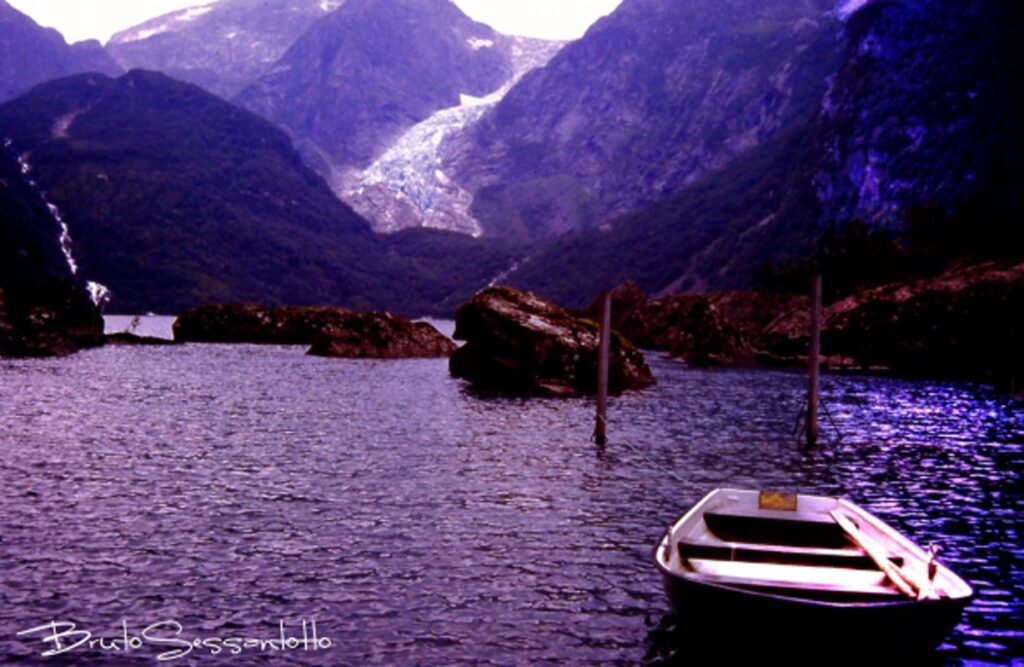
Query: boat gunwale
[877, 523]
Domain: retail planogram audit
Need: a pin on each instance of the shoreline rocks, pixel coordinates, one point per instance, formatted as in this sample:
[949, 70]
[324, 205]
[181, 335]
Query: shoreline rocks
[130, 339]
[331, 332]
[518, 343]
[718, 329]
[964, 324]
[49, 320]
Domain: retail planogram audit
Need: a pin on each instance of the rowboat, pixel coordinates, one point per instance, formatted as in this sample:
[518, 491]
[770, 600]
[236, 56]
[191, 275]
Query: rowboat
[780, 571]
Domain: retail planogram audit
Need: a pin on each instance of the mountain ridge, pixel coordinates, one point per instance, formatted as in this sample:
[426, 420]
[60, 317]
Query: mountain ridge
[31, 54]
[653, 96]
[222, 46]
[369, 71]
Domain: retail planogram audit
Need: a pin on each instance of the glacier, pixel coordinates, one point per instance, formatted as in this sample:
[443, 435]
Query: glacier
[407, 186]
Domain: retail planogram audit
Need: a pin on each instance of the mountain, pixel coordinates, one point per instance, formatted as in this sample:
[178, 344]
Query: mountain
[924, 110]
[364, 74]
[915, 132]
[176, 198]
[30, 54]
[222, 46]
[652, 98]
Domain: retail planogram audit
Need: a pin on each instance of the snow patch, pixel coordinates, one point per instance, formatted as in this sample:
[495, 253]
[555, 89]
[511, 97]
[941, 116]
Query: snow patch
[470, 101]
[62, 125]
[185, 16]
[145, 34]
[477, 43]
[846, 8]
[231, 35]
[193, 13]
[330, 5]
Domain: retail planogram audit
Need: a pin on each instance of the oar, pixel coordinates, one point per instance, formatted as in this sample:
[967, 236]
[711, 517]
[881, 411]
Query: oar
[890, 570]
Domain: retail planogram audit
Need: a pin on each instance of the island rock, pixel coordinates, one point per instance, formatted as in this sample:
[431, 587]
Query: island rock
[519, 343]
[331, 332]
[963, 324]
[49, 320]
[382, 336]
[129, 339]
[248, 323]
[723, 328]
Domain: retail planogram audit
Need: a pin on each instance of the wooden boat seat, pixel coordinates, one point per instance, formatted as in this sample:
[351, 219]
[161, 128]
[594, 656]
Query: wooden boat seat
[823, 583]
[787, 555]
[776, 527]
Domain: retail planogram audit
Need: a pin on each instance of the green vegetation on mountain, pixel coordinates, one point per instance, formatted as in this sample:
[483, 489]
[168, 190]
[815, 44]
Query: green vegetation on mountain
[758, 207]
[654, 97]
[176, 198]
[904, 161]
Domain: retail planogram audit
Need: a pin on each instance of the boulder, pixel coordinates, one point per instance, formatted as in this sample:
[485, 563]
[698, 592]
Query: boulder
[48, 320]
[382, 336]
[519, 343]
[331, 332]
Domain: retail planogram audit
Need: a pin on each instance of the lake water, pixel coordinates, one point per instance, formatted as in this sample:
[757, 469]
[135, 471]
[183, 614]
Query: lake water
[230, 489]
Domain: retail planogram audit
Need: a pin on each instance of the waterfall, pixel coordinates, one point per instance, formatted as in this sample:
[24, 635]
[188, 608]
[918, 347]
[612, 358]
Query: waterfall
[100, 294]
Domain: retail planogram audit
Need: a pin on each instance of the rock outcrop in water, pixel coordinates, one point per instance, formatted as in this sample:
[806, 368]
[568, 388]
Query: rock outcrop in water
[726, 328]
[332, 332]
[249, 323]
[964, 324]
[130, 339]
[51, 320]
[382, 336]
[517, 342]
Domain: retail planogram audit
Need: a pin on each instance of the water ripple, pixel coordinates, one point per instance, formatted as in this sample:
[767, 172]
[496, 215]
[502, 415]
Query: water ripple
[417, 521]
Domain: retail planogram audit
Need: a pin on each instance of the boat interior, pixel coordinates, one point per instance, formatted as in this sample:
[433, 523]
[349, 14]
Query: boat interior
[792, 546]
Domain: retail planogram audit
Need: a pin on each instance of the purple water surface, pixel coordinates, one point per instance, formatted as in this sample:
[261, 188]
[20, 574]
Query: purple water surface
[416, 521]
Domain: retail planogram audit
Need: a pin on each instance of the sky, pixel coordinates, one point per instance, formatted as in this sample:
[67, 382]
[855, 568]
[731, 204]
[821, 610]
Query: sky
[99, 19]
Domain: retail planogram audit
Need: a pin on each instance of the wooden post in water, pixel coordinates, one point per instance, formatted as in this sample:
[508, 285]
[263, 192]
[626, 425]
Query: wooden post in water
[603, 353]
[814, 362]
